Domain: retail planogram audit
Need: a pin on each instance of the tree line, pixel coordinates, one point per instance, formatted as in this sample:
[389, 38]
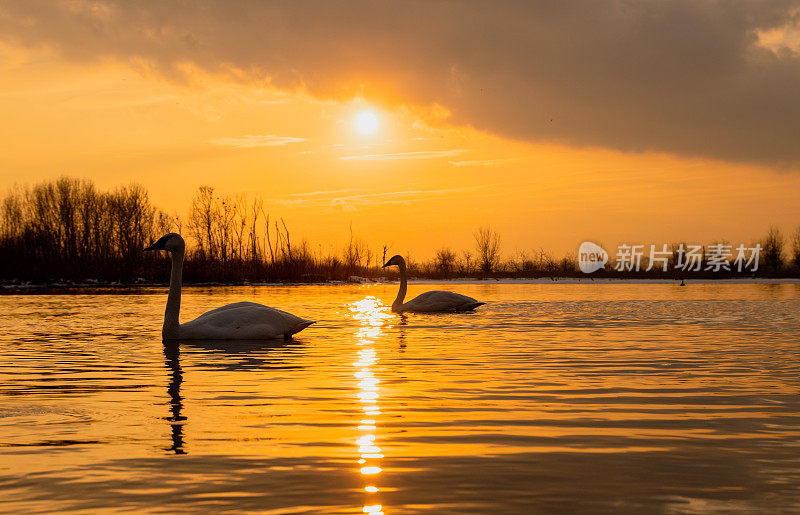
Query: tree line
[68, 230]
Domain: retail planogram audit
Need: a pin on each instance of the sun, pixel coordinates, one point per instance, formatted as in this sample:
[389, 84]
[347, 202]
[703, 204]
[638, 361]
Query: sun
[367, 123]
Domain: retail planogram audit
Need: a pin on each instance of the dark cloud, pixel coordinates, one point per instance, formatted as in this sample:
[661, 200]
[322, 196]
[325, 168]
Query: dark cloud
[681, 77]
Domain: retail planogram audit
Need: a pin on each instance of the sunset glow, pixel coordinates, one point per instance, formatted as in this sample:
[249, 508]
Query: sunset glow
[322, 163]
[367, 122]
[399, 257]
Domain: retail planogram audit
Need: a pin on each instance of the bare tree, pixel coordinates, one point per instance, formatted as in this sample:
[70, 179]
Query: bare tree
[795, 248]
[286, 243]
[202, 222]
[465, 265]
[269, 241]
[520, 262]
[445, 261]
[772, 253]
[355, 253]
[487, 243]
[256, 209]
[546, 263]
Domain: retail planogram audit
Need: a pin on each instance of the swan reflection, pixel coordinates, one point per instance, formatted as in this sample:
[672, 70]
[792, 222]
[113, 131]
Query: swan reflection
[373, 317]
[218, 355]
[172, 354]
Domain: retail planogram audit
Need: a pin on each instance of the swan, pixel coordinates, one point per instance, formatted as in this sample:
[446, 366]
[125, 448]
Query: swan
[430, 301]
[237, 321]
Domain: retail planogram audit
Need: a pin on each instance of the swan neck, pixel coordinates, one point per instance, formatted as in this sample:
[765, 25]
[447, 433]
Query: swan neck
[172, 313]
[401, 295]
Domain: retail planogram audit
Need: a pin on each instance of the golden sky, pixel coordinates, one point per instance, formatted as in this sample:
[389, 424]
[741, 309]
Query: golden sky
[621, 150]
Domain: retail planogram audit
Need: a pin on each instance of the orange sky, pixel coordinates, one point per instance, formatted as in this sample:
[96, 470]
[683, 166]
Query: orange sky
[424, 180]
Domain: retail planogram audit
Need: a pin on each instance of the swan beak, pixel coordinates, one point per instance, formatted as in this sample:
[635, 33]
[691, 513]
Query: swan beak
[160, 244]
[384, 266]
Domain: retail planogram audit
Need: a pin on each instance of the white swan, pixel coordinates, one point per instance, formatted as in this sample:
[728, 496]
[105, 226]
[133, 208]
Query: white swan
[430, 301]
[237, 321]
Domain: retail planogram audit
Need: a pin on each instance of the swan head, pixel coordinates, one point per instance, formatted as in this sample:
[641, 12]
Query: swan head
[395, 260]
[171, 242]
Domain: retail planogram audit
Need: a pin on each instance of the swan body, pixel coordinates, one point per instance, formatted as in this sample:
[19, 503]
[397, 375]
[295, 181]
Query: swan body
[438, 300]
[430, 301]
[242, 321]
[237, 321]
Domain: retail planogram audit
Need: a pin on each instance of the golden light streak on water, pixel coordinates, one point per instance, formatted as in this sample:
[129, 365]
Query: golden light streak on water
[374, 317]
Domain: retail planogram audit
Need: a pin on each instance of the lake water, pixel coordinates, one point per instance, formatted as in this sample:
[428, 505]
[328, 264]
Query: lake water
[641, 398]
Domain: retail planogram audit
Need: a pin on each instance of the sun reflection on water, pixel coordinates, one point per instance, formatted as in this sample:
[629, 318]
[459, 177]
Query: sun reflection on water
[373, 316]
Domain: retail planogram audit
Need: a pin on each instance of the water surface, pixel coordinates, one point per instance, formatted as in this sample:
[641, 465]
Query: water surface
[550, 398]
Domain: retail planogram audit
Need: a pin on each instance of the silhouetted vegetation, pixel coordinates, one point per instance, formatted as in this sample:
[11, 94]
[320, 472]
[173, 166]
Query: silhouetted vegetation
[795, 249]
[445, 262]
[68, 231]
[487, 242]
[772, 255]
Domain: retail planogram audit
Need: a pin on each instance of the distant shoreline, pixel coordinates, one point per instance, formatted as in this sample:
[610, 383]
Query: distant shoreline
[133, 288]
[67, 233]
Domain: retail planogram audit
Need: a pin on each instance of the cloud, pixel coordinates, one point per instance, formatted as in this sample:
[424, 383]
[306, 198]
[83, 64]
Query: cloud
[429, 154]
[323, 148]
[481, 162]
[332, 199]
[322, 193]
[688, 77]
[254, 141]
